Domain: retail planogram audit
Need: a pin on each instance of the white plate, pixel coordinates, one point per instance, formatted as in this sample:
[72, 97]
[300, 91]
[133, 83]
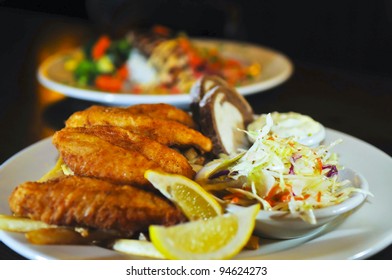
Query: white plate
[276, 68]
[362, 234]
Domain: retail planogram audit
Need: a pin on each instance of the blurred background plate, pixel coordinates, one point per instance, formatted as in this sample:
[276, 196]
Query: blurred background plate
[276, 68]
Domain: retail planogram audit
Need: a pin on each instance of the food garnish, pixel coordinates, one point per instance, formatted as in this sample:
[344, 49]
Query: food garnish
[221, 237]
[189, 196]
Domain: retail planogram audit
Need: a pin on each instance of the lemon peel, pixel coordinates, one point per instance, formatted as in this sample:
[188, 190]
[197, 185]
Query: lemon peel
[221, 237]
[195, 202]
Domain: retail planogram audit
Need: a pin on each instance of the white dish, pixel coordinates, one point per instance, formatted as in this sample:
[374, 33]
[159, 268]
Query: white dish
[364, 233]
[276, 68]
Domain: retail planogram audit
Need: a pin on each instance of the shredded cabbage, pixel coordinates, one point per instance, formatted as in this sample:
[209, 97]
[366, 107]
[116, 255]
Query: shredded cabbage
[282, 174]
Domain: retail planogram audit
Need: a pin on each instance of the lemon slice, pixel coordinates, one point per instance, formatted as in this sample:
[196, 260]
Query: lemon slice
[221, 237]
[195, 202]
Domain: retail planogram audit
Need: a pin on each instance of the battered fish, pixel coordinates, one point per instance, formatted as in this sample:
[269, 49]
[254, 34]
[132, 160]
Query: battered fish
[163, 111]
[88, 202]
[89, 155]
[166, 132]
[168, 159]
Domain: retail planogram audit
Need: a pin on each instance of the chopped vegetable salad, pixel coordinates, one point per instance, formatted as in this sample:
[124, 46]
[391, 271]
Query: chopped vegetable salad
[178, 63]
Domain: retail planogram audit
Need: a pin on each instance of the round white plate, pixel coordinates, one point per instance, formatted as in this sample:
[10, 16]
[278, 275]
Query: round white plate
[363, 233]
[276, 68]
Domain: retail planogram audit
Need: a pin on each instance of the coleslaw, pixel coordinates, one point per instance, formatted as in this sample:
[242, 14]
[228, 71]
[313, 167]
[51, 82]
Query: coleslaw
[280, 174]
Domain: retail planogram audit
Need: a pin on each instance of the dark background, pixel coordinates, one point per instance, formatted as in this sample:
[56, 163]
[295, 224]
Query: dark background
[351, 34]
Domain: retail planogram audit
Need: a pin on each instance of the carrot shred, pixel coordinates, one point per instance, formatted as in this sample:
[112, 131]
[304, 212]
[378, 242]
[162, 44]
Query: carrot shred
[319, 165]
[318, 198]
[234, 198]
[100, 47]
[122, 72]
[304, 197]
[109, 83]
[286, 197]
[276, 195]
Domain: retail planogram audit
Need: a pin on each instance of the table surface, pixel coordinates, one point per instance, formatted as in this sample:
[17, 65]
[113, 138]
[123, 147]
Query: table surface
[355, 103]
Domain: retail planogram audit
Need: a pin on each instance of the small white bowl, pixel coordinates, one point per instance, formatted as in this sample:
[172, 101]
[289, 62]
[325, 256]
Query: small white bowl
[285, 225]
[300, 126]
[314, 140]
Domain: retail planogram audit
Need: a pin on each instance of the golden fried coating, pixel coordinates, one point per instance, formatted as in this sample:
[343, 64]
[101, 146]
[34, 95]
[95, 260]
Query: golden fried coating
[168, 159]
[93, 203]
[166, 132]
[163, 111]
[89, 155]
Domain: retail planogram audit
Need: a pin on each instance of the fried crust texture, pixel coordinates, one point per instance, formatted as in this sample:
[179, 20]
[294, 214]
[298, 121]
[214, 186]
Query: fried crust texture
[166, 132]
[92, 203]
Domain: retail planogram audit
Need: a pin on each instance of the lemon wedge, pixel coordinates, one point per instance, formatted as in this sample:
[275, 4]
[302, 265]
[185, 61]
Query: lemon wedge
[221, 237]
[195, 202]
[58, 170]
[55, 172]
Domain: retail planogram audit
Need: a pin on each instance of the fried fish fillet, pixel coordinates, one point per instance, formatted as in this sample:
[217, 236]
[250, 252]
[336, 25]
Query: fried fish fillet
[89, 155]
[166, 132]
[168, 159]
[93, 203]
[163, 111]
